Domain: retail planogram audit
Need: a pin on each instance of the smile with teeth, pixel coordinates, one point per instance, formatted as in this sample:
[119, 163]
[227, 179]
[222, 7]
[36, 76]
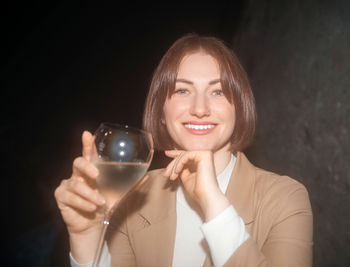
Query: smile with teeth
[199, 127]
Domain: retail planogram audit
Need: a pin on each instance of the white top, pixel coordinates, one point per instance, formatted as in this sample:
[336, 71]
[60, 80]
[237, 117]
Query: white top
[194, 239]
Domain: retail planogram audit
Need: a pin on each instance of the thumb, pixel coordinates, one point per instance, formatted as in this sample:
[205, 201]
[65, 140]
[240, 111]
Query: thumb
[88, 144]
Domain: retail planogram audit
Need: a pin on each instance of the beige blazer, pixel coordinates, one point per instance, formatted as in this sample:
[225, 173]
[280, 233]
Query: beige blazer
[276, 211]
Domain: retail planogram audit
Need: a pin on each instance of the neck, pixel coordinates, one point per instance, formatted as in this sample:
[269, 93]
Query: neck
[221, 158]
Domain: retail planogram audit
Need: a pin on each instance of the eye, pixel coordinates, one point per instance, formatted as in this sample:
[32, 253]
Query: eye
[218, 92]
[181, 91]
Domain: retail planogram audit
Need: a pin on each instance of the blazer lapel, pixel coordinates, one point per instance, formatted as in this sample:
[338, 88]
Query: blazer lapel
[154, 242]
[240, 190]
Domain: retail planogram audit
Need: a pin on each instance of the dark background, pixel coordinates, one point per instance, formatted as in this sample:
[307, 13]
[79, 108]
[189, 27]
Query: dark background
[68, 66]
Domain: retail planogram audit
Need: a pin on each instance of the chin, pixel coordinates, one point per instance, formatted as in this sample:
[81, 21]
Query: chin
[207, 147]
[198, 147]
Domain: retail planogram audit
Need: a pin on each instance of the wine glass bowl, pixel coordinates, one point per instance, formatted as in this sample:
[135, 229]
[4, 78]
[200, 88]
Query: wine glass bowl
[122, 155]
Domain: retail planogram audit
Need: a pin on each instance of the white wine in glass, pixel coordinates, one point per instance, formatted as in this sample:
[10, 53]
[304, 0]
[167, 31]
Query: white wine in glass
[122, 155]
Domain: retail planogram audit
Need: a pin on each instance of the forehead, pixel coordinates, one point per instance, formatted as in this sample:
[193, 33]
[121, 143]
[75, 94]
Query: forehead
[199, 65]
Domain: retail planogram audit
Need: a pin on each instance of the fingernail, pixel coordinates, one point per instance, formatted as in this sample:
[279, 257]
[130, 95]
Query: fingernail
[94, 172]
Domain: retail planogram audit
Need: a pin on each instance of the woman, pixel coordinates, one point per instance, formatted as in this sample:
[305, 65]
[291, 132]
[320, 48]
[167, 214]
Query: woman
[209, 205]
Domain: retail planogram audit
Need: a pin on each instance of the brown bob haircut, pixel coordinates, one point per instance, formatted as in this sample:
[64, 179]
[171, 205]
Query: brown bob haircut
[234, 82]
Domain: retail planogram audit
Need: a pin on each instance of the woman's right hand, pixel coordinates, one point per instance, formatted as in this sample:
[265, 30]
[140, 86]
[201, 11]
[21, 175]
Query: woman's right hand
[79, 202]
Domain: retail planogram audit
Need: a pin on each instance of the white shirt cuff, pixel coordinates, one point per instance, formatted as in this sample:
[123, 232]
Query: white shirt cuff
[105, 260]
[224, 234]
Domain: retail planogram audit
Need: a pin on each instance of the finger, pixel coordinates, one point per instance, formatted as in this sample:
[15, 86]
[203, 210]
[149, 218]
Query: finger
[75, 201]
[169, 171]
[83, 167]
[193, 157]
[169, 168]
[176, 170]
[66, 198]
[88, 144]
[185, 173]
[182, 161]
[173, 153]
[79, 187]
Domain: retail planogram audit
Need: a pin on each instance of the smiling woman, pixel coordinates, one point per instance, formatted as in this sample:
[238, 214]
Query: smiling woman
[209, 205]
[226, 73]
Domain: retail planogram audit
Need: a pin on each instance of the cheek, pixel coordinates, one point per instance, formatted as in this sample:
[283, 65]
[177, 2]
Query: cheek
[232, 116]
[166, 113]
[173, 110]
[226, 111]
[169, 115]
[233, 120]
[228, 116]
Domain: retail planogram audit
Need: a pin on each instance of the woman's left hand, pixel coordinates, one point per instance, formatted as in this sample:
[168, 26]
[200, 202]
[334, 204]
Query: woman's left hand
[197, 173]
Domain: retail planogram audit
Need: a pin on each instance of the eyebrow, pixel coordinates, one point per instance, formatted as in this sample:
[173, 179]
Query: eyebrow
[189, 82]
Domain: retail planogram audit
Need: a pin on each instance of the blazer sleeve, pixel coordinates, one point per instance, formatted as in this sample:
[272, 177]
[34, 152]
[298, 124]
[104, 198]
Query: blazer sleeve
[288, 239]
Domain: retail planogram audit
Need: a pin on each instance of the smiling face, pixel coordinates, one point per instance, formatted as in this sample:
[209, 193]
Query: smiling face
[197, 114]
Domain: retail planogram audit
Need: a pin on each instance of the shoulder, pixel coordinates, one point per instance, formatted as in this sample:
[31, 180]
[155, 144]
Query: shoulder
[269, 191]
[263, 181]
[269, 182]
[281, 194]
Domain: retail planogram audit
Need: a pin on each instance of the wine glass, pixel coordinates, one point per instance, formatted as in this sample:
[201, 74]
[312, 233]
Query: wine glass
[122, 155]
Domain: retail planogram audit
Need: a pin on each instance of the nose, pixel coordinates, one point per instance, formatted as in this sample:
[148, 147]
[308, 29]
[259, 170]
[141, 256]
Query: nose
[200, 106]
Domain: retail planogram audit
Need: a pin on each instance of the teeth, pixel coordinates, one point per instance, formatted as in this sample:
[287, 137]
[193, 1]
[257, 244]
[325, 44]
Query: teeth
[199, 127]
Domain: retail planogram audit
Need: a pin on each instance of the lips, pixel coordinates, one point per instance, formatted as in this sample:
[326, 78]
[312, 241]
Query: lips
[199, 127]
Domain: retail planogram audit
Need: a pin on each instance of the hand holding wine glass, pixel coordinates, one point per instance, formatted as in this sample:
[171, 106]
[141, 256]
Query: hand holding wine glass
[79, 202]
[112, 163]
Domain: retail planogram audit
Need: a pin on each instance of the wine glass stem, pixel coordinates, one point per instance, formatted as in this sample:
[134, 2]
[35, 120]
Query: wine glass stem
[100, 244]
